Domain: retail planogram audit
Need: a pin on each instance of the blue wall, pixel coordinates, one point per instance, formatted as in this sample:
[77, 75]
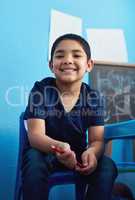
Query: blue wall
[24, 34]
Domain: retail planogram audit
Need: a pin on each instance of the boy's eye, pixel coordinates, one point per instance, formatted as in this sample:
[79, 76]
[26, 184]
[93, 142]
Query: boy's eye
[59, 56]
[62, 56]
[77, 56]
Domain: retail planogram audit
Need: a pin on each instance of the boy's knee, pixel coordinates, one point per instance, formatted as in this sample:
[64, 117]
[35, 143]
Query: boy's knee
[35, 166]
[34, 174]
[108, 166]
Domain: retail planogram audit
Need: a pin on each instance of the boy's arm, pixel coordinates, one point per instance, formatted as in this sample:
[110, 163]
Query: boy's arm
[38, 138]
[94, 150]
[96, 140]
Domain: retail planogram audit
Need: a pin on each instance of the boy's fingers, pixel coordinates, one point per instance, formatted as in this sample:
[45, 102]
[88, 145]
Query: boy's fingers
[65, 155]
[58, 154]
[85, 160]
[68, 154]
[64, 146]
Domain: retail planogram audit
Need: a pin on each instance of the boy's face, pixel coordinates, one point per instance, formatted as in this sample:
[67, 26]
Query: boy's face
[70, 62]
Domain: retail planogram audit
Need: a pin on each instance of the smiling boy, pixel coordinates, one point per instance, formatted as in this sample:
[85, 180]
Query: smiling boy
[81, 109]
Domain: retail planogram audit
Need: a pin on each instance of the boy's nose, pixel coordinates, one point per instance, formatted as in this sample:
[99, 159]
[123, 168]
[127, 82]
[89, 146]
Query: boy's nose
[68, 59]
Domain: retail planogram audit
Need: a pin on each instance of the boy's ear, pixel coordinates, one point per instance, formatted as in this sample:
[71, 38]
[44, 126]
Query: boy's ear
[90, 65]
[51, 66]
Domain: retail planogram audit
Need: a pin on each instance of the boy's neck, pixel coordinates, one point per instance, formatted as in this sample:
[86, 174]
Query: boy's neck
[70, 88]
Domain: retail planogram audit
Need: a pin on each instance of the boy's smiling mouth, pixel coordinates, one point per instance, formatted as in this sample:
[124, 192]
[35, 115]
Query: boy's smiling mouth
[68, 69]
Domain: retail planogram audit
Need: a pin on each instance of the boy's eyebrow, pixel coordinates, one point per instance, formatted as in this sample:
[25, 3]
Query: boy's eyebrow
[74, 51]
[59, 51]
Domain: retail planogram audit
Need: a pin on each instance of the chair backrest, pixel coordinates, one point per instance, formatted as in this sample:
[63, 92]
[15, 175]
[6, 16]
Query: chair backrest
[122, 130]
[23, 142]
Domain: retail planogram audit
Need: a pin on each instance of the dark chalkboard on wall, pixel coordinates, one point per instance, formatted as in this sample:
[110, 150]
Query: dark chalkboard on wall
[116, 81]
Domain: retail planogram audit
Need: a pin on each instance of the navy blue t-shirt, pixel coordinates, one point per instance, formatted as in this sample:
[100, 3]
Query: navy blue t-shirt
[44, 103]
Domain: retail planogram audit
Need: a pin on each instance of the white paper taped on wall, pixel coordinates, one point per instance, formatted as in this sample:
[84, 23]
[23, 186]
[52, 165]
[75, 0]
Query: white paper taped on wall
[107, 45]
[61, 23]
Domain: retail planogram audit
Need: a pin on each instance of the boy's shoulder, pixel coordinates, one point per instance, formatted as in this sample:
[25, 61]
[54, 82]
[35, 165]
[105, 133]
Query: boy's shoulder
[49, 81]
[91, 91]
[93, 97]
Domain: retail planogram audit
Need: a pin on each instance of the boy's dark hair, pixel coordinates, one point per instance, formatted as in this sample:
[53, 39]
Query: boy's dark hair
[71, 36]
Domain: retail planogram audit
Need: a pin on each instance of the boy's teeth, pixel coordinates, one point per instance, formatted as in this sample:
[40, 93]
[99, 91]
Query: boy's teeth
[68, 70]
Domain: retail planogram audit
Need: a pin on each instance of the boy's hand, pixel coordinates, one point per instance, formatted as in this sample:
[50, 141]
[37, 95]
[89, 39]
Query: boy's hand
[65, 155]
[89, 162]
[60, 147]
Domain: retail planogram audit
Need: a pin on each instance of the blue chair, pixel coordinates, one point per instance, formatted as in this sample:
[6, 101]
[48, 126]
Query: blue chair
[125, 131]
[57, 178]
[120, 130]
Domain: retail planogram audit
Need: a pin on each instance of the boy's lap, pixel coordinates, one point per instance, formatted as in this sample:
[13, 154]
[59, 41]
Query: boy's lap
[106, 166]
[36, 157]
[106, 171]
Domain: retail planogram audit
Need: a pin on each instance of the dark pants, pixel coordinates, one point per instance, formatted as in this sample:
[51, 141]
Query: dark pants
[37, 166]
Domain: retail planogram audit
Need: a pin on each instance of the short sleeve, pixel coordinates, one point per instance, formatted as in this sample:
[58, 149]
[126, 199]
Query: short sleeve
[36, 103]
[95, 109]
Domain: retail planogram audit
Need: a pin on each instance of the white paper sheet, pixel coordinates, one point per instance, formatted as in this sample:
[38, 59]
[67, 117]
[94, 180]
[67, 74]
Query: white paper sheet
[61, 23]
[107, 45]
